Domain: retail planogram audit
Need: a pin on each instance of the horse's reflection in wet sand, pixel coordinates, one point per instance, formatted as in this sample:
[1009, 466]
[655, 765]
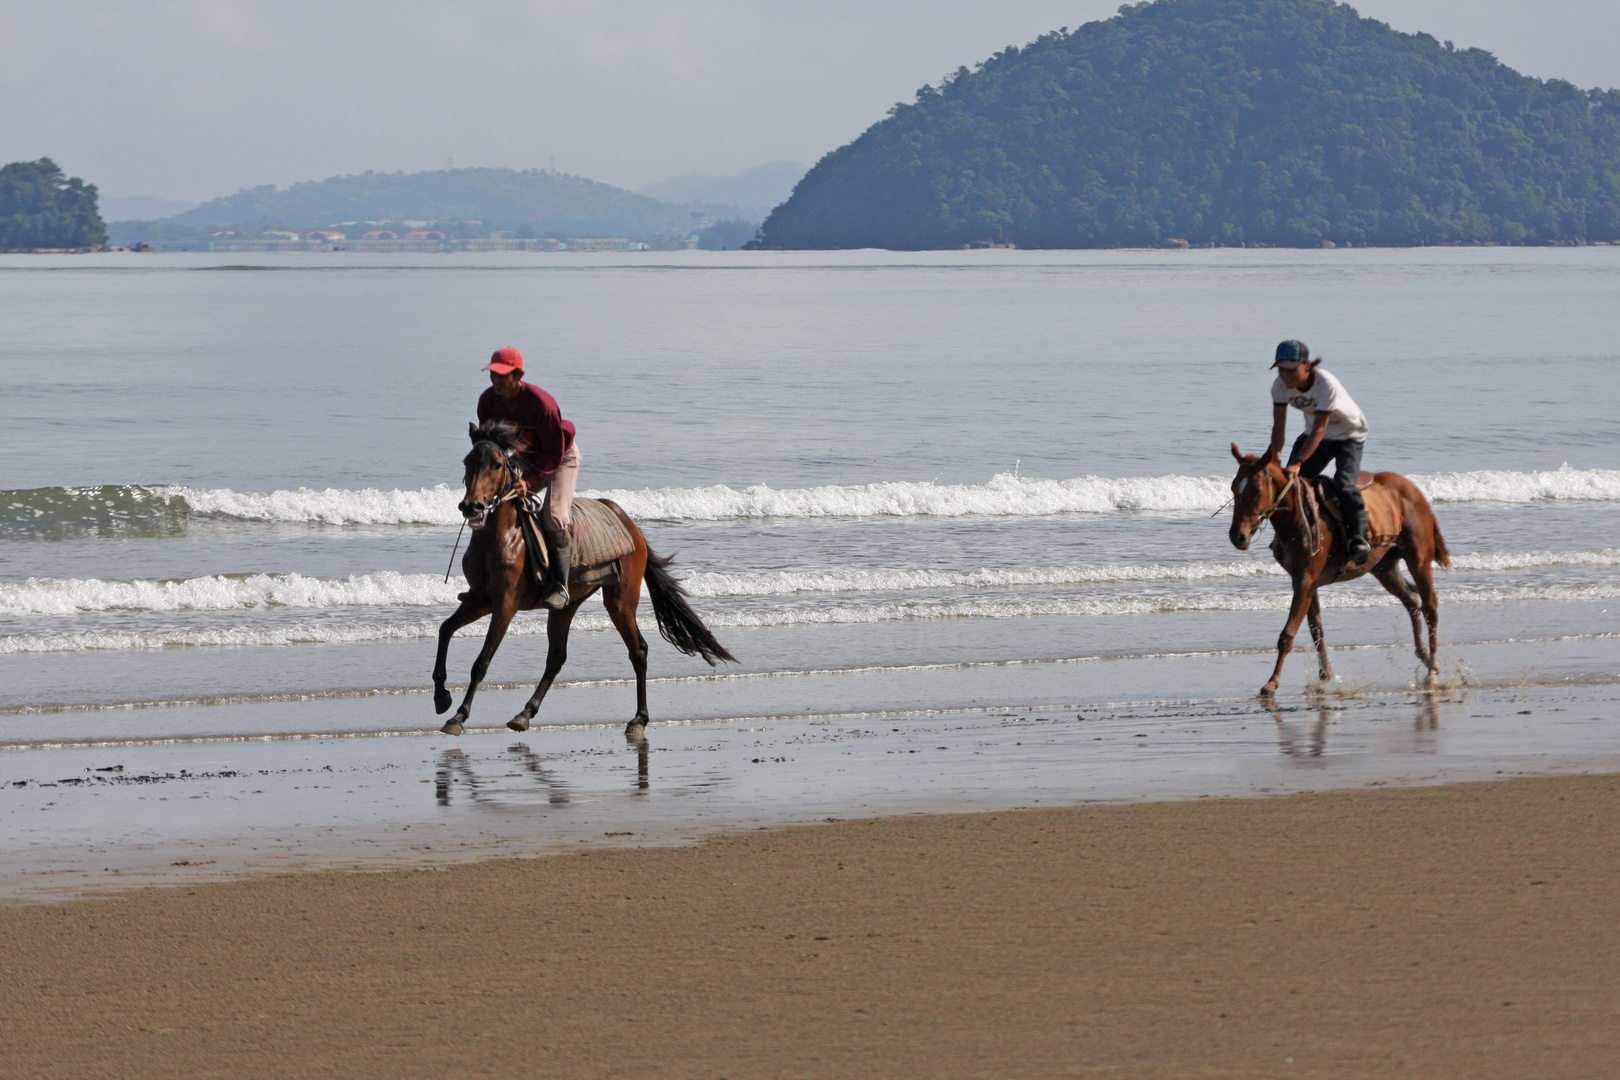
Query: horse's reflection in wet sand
[457, 769]
[1295, 741]
[637, 739]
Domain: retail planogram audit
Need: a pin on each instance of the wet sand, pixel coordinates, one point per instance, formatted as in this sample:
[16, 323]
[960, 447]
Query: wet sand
[1463, 930]
[99, 817]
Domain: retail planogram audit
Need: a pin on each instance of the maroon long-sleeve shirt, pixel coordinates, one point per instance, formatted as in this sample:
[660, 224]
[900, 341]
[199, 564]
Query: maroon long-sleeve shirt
[540, 422]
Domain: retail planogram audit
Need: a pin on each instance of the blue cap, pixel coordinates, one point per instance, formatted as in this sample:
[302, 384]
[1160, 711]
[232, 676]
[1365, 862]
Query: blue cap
[1292, 352]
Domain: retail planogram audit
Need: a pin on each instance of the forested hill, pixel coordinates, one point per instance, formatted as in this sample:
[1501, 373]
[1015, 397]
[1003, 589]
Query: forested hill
[41, 207]
[1286, 122]
[545, 201]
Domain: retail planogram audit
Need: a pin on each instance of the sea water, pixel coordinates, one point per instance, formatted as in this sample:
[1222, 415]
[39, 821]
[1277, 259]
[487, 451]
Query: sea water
[890, 480]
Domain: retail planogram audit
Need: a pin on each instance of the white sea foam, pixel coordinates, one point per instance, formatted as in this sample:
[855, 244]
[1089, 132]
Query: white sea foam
[1554, 485]
[47, 596]
[338, 633]
[1004, 495]
[333, 506]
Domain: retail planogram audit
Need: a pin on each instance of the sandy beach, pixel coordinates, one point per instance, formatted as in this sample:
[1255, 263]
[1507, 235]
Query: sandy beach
[1463, 930]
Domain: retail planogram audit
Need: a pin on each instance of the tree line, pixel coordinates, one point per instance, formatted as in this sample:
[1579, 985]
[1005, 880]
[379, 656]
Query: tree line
[41, 207]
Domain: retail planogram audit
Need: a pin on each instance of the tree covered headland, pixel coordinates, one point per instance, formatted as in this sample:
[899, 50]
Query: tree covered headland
[42, 208]
[1284, 122]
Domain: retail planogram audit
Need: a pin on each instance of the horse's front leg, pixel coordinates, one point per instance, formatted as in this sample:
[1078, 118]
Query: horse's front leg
[1315, 617]
[499, 620]
[469, 611]
[1304, 596]
[557, 624]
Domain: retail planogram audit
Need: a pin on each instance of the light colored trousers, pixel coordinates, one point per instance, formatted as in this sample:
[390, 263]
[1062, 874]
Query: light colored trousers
[559, 511]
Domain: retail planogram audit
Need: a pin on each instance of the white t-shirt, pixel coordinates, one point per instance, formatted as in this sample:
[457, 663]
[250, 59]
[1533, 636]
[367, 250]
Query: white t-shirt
[1326, 394]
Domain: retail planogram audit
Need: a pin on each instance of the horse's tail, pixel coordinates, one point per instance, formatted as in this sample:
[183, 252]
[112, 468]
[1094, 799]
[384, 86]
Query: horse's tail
[677, 621]
[1441, 554]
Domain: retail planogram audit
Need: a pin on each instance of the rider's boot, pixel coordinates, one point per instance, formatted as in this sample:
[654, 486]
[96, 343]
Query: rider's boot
[556, 595]
[1355, 526]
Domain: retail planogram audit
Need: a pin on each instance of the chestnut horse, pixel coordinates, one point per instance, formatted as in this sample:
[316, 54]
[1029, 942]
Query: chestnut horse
[1314, 555]
[500, 586]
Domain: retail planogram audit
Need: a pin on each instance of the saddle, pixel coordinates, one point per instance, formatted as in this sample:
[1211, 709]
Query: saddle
[1383, 513]
[597, 540]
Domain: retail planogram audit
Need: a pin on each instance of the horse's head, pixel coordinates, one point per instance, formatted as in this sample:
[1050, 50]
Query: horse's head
[1255, 491]
[489, 473]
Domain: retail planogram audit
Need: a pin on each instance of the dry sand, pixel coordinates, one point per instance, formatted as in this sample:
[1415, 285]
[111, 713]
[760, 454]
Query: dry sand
[1458, 931]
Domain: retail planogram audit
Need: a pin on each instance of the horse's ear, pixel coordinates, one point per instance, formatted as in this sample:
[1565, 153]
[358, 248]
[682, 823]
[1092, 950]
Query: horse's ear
[472, 431]
[1237, 453]
[1269, 456]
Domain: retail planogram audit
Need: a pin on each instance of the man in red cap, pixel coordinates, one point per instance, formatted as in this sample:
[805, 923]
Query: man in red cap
[552, 457]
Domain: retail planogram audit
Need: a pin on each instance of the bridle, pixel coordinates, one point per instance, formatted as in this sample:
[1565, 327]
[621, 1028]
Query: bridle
[508, 493]
[508, 490]
[1276, 497]
[1308, 523]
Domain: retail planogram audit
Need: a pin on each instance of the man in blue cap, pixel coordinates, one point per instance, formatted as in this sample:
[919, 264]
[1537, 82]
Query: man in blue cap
[1335, 431]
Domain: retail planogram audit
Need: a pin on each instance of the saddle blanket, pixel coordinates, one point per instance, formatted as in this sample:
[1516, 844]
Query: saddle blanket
[597, 538]
[1383, 515]
[1383, 511]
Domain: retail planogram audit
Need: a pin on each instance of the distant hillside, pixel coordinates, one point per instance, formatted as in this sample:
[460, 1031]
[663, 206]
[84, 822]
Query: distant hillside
[1287, 122]
[140, 207]
[546, 202]
[751, 193]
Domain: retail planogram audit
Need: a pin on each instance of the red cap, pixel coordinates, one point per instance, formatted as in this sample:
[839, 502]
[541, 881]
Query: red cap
[505, 361]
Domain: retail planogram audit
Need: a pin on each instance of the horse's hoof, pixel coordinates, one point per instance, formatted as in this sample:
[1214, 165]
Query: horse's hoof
[451, 727]
[1267, 693]
[518, 723]
[442, 701]
[635, 731]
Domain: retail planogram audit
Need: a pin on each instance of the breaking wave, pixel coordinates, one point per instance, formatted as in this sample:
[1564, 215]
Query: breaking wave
[165, 509]
[339, 633]
[386, 589]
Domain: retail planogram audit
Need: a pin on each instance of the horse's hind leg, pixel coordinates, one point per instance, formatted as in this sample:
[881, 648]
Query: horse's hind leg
[1423, 578]
[1389, 576]
[499, 620]
[558, 623]
[469, 611]
[621, 606]
[1315, 622]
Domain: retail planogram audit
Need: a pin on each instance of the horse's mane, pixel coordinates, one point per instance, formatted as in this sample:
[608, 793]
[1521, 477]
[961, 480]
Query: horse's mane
[503, 433]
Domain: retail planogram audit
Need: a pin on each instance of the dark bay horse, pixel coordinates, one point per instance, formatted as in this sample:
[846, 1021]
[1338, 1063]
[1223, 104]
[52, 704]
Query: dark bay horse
[500, 586]
[1404, 531]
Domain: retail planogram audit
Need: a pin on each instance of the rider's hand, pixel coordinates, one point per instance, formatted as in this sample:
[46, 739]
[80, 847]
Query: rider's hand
[1292, 471]
[521, 487]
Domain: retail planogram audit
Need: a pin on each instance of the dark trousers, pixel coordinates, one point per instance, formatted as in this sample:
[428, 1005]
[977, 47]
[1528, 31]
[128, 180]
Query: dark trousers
[1345, 454]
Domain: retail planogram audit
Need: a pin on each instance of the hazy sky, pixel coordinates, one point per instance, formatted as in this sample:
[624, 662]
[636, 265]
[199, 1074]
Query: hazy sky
[189, 99]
